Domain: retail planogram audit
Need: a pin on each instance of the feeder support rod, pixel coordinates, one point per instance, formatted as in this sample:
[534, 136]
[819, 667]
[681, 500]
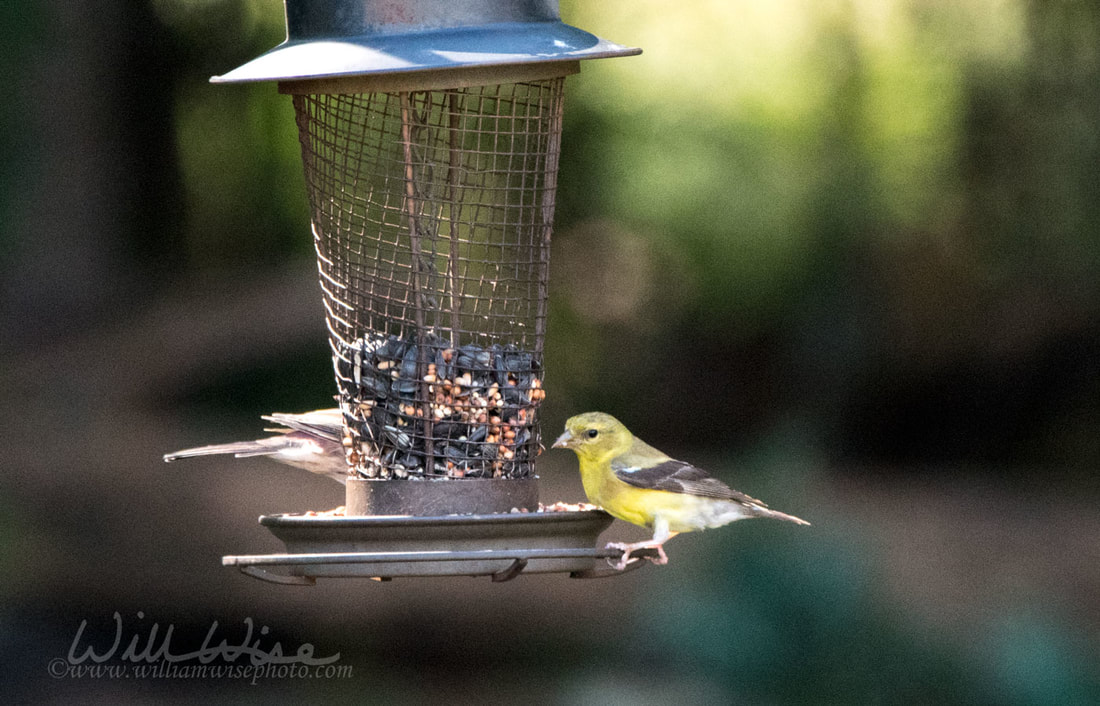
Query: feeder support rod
[417, 264]
[455, 216]
[550, 187]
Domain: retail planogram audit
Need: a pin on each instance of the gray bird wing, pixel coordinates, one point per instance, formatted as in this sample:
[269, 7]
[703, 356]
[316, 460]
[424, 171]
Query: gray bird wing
[679, 477]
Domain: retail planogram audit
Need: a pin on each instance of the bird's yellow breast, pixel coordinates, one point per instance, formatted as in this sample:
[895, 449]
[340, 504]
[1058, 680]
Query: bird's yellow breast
[641, 506]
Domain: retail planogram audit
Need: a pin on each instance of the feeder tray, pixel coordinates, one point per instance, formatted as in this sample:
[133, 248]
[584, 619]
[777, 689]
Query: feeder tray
[414, 528]
[500, 546]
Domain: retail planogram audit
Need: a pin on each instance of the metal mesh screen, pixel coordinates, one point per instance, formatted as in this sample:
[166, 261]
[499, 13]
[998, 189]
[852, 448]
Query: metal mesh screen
[432, 216]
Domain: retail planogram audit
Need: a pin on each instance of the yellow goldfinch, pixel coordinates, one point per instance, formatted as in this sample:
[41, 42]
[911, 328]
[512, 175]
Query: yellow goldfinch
[635, 482]
[312, 441]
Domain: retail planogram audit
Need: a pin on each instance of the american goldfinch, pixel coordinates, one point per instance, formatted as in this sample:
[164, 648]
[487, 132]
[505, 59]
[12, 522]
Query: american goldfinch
[635, 482]
[312, 441]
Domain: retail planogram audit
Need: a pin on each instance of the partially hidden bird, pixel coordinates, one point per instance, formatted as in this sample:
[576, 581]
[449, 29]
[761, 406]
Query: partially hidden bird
[312, 441]
[635, 482]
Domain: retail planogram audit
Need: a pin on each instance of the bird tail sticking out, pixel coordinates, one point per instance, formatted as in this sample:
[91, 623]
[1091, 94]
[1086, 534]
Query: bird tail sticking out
[240, 449]
[760, 511]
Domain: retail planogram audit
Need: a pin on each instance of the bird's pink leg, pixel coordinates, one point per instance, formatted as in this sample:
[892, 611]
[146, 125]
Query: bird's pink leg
[661, 535]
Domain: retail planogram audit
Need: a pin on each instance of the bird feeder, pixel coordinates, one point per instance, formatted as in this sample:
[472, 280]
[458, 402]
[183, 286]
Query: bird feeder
[430, 134]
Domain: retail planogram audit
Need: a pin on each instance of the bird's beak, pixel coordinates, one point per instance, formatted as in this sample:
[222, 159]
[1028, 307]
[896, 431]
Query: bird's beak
[564, 441]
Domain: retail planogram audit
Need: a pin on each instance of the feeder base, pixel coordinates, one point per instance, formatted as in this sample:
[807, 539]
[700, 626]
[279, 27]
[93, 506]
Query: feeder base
[499, 546]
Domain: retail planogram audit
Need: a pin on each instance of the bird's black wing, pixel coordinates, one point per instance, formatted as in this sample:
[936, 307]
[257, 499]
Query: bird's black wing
[679, 477]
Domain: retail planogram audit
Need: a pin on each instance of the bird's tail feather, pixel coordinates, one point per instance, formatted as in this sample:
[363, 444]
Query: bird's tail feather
[240, 449]
[776, 515]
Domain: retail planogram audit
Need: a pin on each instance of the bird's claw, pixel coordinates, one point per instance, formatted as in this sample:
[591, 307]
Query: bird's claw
[617, 565]
[660, 560]
[622, 561]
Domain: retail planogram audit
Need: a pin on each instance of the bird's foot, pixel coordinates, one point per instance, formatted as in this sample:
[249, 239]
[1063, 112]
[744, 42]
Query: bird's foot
[627, 549]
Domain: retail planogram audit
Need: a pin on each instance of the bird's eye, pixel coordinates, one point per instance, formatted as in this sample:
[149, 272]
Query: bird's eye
[592, 433]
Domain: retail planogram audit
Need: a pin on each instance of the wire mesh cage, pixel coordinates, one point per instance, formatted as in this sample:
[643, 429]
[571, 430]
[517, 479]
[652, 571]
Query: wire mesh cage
[432, 215]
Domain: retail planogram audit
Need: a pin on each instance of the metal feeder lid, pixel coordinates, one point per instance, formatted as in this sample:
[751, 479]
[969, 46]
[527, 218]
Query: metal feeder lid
[335, 38]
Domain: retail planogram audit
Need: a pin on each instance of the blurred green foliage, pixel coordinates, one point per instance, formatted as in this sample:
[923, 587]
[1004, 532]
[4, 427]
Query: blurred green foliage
[21, 28]
[895, 203]
[237, 145]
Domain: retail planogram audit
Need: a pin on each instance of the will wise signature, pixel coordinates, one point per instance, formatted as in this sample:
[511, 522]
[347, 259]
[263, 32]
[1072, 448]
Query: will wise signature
[152, 646]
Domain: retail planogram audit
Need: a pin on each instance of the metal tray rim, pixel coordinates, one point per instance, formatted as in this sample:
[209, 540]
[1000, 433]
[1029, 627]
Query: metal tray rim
[301, 520]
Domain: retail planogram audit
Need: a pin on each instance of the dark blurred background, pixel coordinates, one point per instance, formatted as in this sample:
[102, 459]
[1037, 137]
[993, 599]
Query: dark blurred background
[844, 254]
